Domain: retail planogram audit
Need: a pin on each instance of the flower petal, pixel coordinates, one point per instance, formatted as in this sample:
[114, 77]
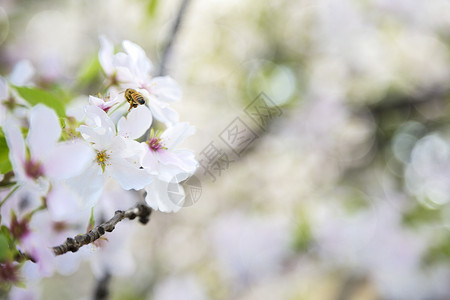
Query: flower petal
[22, 73]
[3, 89]
[61, 202]
[45, 130]
[161, 111]
[88, 186]
[158, 197]
[139, 63]
[16, 147]
[183, 159]
[100, 129]
[68, 160]
[165, 88]
[178, 159]
[150, 161]
[136, 123]
[127, 174]
[105, 55]
[176, 134]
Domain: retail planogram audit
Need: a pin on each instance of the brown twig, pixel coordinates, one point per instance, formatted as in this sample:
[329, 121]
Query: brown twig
[172, 36]
[101, 290]
[73, 244]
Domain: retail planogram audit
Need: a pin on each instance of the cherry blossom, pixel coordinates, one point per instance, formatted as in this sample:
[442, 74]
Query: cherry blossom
[116, 153]
[40, 160]
[132, 69]
[164, 161]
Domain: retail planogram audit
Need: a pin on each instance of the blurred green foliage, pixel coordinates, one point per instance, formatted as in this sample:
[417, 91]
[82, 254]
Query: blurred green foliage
[35, 96]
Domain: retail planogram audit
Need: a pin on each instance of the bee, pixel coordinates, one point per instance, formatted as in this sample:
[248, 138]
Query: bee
[134, 98]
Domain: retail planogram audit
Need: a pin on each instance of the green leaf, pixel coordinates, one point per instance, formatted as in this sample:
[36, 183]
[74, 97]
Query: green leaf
[4, 247]
[302, 235]
[152, 5]
[35, 96]
[421, 215]
[90, 71]
[91, 219]
[5, 164]
[438, 253]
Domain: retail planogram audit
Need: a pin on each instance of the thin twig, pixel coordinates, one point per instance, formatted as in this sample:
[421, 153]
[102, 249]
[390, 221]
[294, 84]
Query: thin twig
[9, 195]
[102, 290]
[73, 244]
[172, 36]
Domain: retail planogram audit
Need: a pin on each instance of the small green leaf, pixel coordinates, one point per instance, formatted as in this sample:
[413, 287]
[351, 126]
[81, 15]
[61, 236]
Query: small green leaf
[4, 247]
[302, 235]
[152, 6]
[5, 164]
[420, 215]
[35, 96]
[91, 220]
[90, 71]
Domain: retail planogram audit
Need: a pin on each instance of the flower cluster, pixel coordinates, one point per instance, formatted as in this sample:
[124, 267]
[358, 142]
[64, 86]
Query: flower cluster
[67, 170]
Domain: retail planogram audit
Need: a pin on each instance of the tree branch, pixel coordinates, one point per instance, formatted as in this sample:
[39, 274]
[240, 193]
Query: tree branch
[73, 244]
[172, 36]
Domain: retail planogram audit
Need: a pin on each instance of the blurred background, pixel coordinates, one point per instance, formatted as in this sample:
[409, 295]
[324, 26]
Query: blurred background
[340, 193]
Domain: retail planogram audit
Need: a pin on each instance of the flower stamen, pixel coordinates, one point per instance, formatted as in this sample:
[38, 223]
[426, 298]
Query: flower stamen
[155, 143]
[102, 159]
[33, 169]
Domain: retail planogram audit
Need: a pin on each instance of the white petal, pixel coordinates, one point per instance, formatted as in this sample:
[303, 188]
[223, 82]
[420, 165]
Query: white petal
[69, 159]
[22, 73]
[133, 150]
[105, 55]
[165, 88]
[138, 59]
[45, 130]
[95, 101]
[16, 147]
[61, 202]
[3, 89]
[96, 117]
[136, 123]
[158, 197]
[127, 174]
[161, 111]
[183, 159]
[176, 134]
[88, 186]
[100, 129]
[150, 161]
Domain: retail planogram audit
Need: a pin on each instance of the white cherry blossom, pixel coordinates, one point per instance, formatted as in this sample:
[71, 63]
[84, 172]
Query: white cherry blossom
[164, 162]
[41, 161]
[132, 69]
[117, 155]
